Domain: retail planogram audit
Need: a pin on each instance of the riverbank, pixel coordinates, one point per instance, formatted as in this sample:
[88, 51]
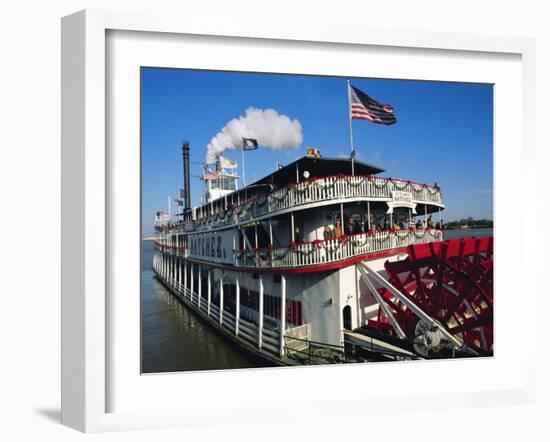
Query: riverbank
[467, 233]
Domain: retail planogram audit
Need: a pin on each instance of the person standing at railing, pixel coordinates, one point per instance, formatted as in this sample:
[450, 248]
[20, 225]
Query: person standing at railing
[298, 235]
[372, 224]
[350, 227]
[337, 230]
[429, 223]
[328, 233]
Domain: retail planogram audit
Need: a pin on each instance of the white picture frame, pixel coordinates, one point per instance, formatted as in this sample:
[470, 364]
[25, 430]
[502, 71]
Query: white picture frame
[86, 208]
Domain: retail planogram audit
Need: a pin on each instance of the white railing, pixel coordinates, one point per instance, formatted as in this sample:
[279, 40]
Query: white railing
[318, 190]
[247, 330]
[345, 186]
[296, 338]
[334, 250]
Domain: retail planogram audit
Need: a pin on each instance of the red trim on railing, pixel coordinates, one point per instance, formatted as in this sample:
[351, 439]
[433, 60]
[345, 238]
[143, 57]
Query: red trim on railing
[343, 238]
[298, 270]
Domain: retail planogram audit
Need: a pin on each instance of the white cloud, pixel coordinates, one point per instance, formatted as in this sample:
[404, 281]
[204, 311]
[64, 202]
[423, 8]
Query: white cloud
[271, 129]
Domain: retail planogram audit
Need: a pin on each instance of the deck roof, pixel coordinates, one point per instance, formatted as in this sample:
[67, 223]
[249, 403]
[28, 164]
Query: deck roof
[317, 167]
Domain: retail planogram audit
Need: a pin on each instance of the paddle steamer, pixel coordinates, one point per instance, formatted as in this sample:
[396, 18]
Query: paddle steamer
[324, 261]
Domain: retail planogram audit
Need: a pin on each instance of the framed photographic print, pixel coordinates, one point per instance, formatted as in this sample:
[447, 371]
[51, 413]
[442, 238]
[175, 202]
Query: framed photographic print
[255, 217]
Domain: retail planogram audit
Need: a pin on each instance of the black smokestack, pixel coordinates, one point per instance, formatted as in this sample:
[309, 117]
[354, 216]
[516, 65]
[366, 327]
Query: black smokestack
[186, 174]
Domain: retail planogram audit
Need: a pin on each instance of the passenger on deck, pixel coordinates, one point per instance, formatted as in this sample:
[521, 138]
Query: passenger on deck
[372, 225]
[350, 227]
[328, 233]
[429, 223]
[337, 230]
[298, 235]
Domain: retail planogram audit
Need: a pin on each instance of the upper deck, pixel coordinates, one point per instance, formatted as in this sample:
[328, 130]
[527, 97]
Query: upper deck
[305, 183]
[277, 223]
[314, 192]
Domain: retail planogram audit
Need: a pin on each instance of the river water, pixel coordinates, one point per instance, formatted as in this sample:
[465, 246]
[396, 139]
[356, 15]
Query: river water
[173, 338]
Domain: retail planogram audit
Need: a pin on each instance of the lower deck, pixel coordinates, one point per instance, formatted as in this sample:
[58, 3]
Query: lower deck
[247, 307]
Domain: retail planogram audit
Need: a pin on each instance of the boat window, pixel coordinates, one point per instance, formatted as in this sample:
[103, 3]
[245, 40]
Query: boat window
[229, 183]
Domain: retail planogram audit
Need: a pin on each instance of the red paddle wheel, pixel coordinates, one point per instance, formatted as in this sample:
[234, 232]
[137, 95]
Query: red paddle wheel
[451, 281]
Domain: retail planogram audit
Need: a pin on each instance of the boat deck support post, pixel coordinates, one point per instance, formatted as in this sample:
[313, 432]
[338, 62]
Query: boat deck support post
[199, 288]
[221, 297]
[191, 283]
[237, 304]
[172, 269]
[368, 215]
[234, 247]
[185, 278]
[283, 317]
[179, 274]
[260, 310]
[209, 292]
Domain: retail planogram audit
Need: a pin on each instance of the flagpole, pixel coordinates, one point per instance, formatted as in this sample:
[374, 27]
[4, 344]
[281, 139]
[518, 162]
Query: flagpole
[242, 160]
[351, 130]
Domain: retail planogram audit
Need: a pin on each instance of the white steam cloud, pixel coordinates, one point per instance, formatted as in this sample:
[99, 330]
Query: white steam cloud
[270, 128]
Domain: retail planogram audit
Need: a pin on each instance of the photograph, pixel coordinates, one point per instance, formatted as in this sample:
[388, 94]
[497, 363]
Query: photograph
[297, 220]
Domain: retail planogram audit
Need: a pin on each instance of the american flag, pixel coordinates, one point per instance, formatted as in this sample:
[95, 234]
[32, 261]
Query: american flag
[363, 107]
[210, 175]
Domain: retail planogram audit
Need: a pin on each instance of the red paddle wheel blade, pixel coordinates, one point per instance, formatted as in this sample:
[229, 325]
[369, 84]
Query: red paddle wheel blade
[452, 281]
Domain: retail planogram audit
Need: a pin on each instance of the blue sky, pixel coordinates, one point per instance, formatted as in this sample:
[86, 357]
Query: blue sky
[443, 134]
